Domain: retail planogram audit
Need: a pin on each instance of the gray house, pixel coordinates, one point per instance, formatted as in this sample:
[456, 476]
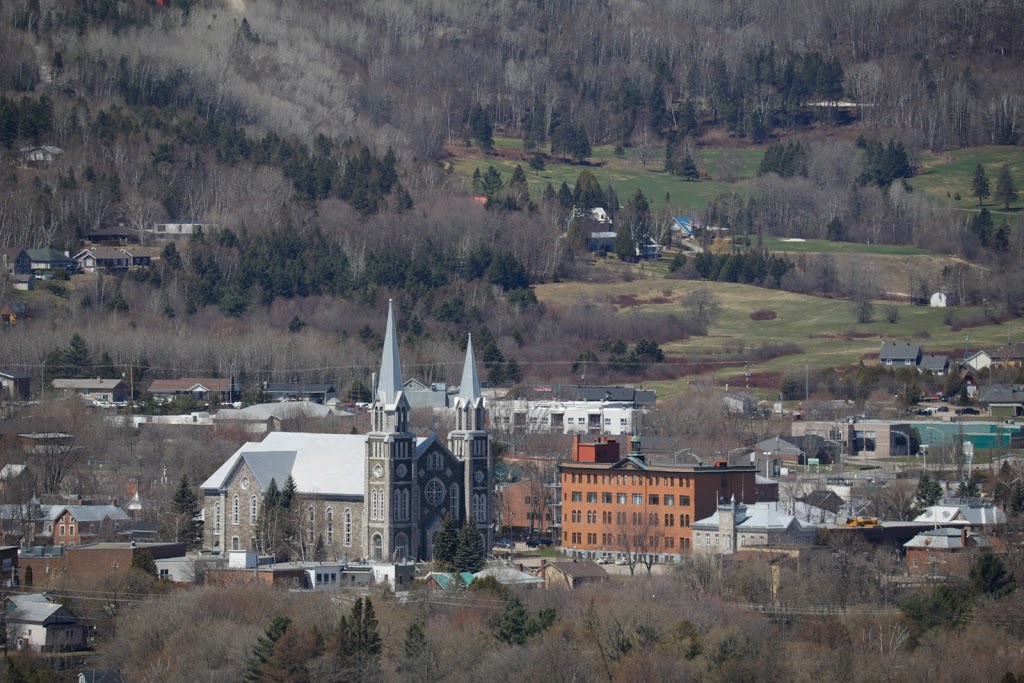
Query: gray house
[900, 354]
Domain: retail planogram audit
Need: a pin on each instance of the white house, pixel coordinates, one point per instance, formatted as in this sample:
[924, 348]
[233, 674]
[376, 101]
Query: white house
[35, 623]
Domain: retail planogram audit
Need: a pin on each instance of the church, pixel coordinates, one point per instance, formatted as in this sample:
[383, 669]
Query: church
[381, 496]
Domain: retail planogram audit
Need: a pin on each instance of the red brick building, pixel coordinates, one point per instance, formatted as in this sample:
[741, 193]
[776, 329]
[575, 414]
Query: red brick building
[613, 505]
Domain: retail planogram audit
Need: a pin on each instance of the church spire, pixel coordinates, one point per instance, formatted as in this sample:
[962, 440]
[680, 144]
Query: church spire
[390, 382]
[469, 389]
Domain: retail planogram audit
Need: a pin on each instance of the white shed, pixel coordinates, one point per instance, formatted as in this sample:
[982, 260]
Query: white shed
[938, 300]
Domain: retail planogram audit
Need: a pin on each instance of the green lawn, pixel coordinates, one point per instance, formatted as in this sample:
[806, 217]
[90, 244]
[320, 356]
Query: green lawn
[816, 324]
[625, 173]
[942, 176]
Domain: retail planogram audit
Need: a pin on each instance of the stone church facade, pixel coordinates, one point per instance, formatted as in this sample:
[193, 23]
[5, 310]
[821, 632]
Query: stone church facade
[381, 495]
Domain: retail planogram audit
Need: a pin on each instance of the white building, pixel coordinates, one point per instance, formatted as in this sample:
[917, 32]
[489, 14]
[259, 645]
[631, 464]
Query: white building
[35, 623]
[563, 417]
[735, 526]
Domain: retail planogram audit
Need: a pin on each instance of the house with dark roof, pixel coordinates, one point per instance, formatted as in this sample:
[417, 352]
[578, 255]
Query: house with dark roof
[121, 234]
[300, 391]
[1004, 400]
[42, 262]
[900, 354]
[935, 365]
[610, 394]
[111, 390]
[102, 259]
[944, 552]
[38, 624]
[572, 574]
[219, 389]
[38, 155]
[1009, 356]
[78, 524]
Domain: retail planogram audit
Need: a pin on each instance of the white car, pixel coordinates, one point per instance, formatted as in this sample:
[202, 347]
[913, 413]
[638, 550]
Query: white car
[622, 560]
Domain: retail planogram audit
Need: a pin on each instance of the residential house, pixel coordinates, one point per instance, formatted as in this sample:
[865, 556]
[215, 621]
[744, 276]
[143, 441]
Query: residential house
[78, 524]
[614, 505]
[14, 386]
[121, 234]
[648, 249]
[299, 391]
[685, 225]
[780, 450]
[216, 389]
[934, 365]
[169, 231]
[1009, 356]
[979, 360]
[510, 576]
[1004, 400]
[141, 257]
[107, 390]
[974, 515]
[601, 241]
[39, 155]
[735, 526]
[42, 262]
[8, 255]
[944, 552]
[571, 574]
[37, 624]
[102, 259]
[900, 354]
[12, 311]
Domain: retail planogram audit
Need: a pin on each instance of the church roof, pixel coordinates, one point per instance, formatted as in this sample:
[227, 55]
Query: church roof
[469, 389]
[389, 383]
[323, 464]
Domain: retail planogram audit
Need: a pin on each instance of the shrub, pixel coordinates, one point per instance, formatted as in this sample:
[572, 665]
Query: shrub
[763, 314]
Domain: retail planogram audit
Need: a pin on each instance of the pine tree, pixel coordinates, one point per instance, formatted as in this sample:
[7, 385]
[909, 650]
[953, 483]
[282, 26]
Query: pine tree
[287, 493]
[511, 627]
[480, 126]
[359, 643]
[445, 544]
[989, 576]
[77, 358]
[1006, 190]
[624, 246]
[928, 493]
[689, 169]
[264, 649]
[185, 505]
[979, 186]
[469, 554]
[1017, 499]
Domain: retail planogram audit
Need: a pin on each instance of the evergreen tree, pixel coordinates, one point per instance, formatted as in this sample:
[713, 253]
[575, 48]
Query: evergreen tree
[264, 649]
[512, 623]
[1017, 499]
[928, 493]
[989, 576]
[272, 496]
[288, 493]
[359, 643]
[625, 248]
[1006, 190]
[319, 551]
[470, 551]
[537, 163]
[185, 506]
[979, 186]
[77, 359]
[689, 169]
[144, 562]
[445, 544]
[480, 126]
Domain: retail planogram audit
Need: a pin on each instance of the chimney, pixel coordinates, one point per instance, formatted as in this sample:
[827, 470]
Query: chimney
[963, 537]
[576, 447]
[543, 563]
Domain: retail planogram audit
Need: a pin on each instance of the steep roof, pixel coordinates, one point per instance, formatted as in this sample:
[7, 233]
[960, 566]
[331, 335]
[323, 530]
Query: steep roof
[96, 513]
[389, 382]
[320, 464]
[975, 515]
[934, 363]
[469, 388]
[36, 609]
[899, 351]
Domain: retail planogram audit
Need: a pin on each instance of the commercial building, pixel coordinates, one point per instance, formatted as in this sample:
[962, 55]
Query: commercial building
[614, 506]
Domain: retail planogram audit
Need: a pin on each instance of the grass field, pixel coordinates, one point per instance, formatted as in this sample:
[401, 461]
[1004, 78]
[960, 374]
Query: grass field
[942, 176]
[626, 173]
[823, 328]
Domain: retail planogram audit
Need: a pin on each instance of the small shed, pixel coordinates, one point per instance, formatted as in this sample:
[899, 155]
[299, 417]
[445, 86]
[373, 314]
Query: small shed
[938, 300]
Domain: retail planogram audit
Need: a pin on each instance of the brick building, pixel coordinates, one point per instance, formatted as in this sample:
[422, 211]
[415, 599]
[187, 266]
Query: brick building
[53, 566]
[613, 506]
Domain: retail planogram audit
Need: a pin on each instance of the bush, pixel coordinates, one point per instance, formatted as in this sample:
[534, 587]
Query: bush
[763, 314]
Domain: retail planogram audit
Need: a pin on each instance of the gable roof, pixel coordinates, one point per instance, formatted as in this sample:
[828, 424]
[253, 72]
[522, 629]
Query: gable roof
[321, 464]
[47, 255]
[899, 351]
[974, 515]
[37, 609]
[1003, 393]
[88, 383]
[934, 363]
[581, 569]
[777, 444]
[95, 513]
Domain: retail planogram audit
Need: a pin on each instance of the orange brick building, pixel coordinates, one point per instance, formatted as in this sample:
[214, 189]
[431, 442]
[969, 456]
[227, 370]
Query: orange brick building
[614, 506]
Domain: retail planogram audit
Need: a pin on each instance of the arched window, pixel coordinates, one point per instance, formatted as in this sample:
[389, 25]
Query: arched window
[253, 509]
[216, 518]
[397, 502]
[378, 547]
[687, 520]
[482, 514]
[329, 517]
[347, 521]
[401, 547]
[454, 502]
[373, 505]
[311, 515]
[405, 505]
[234, 510]
[234, 543]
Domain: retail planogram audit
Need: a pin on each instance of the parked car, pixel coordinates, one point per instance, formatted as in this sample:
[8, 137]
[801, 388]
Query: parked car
[941, 409]
[603, 560]
[923, 411]
[538, 542]
[504, 544]
[622, 560]
[968, 411]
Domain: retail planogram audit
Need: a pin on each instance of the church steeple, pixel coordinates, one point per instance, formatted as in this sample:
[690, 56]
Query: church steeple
[469, 389]
[389, 384]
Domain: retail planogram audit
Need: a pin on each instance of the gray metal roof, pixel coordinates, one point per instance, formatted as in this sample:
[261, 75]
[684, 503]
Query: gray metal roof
[469, 389]
[95, 513]
[36, 609]
[1003, 393]
[389, 382]
[899, 351]
[934, 363]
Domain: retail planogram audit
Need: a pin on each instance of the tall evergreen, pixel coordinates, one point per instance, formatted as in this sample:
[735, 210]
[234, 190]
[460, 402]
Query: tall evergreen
[445, 544]
[1006, 190]
[979, 186]
[928, 493]
[288, 493]
[470, 552]
[264, 649]
[512, 624]
[358, 642]
[185, 505]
